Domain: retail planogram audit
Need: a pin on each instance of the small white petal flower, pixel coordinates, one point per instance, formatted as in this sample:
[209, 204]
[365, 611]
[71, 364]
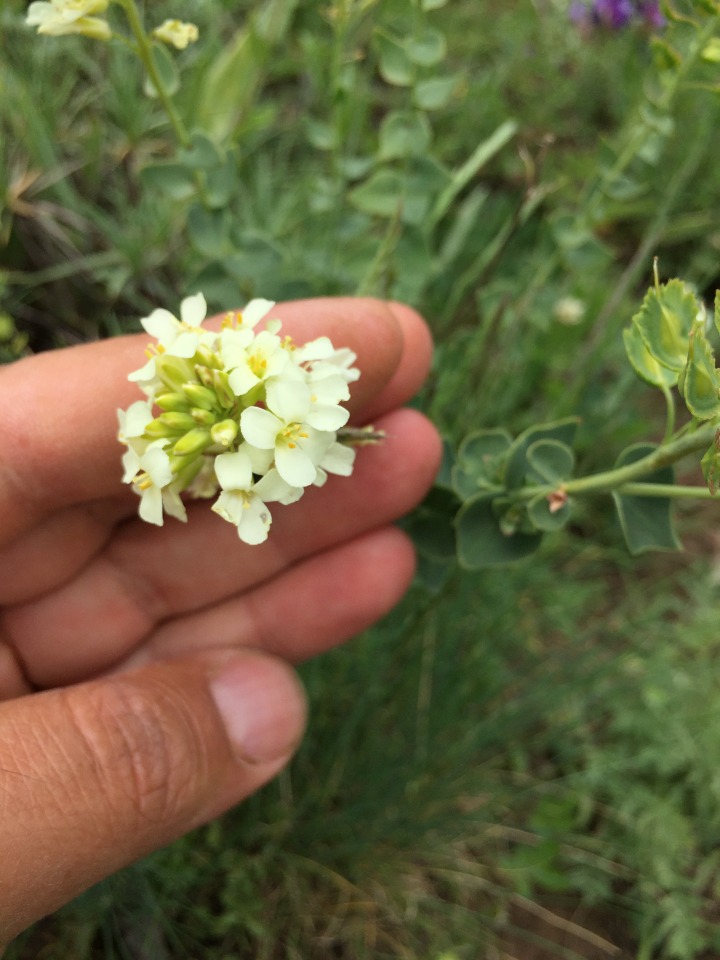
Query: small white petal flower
[243, 502]
[134, 420]
[339, 363]
[153, 474]
[298, 447]
[61, 17]
[176, 33]
[254, 312]
[338, 459]
[263, 358]
[178, 338]
[193, 310]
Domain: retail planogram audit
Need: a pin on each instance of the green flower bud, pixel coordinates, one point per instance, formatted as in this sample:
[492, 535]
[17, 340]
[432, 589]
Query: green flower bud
[194, 441]
[176, 421]
[199, 396]
[172, 401]
[205, 418]
[224, 433]
[173, 371]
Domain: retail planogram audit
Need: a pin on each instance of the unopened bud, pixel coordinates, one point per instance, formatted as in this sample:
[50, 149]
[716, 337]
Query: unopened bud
[172, 401]
[194, 441]
[225, 432]
[177, 421]
[173, 371]
[206, 418]
[199, 395]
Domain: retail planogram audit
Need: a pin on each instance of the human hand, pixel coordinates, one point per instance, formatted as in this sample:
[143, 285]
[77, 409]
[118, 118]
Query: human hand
[143, 679]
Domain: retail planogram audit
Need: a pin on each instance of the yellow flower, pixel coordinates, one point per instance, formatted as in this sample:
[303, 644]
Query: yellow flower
[176, 33]
[60, 17]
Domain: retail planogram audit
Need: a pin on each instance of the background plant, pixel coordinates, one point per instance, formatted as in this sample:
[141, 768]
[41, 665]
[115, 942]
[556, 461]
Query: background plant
[550, 763]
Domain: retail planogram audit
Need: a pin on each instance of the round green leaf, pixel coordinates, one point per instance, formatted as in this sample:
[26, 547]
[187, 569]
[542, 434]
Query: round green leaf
[427, 49]
[482, 455]
[202, 154]
[404, 133]
[480, 541]
[172, 179]
[547, 514]
[550, 461]
[380, 196]
[394, 63]
[646, 522]
[517, 463]
[435, 93]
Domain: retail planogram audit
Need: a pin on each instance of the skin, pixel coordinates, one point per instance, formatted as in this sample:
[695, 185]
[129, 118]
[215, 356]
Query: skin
[145, 678]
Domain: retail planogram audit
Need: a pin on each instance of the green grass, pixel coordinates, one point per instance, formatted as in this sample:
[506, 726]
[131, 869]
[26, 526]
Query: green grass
[524, 757]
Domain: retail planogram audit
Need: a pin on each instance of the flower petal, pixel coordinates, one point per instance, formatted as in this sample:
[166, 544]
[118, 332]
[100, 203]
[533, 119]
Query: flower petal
[260, 427]
[193, 310]
[255, 311]
[234, 470]
[294, 465]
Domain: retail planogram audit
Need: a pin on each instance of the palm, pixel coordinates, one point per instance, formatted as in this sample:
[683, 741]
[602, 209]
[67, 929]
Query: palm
[87, 588]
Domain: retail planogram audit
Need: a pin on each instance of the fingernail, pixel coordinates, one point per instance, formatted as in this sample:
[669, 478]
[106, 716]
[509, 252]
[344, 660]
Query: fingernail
[262, 706]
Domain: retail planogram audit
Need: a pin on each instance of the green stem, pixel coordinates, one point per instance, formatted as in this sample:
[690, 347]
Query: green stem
[662, 456]
[622, 477]
[665, 490]
[144, 52]
[670, 415]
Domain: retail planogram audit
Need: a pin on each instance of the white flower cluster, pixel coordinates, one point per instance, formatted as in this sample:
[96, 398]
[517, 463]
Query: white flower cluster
[247, 415]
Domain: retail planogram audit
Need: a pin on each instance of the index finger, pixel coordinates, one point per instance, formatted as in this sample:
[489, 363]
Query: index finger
[59, 421]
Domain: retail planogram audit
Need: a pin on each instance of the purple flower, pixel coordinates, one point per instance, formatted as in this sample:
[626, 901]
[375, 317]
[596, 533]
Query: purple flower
[613, 13]
[650, 12]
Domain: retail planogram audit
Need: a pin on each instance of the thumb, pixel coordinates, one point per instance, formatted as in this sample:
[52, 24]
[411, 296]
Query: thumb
[94, 776]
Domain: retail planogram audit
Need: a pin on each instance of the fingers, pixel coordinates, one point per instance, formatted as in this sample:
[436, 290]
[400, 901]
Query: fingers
[315, 605]
[98, 775]
[59, 420]
[147, 575]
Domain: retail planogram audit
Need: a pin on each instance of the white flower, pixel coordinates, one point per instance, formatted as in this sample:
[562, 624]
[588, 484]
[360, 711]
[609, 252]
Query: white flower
[338, 363]
[244, 502]
[179, 338]
[152, 475]
[339, 459]
[253, 313]
[262, 358]
[60, 17]
[176, 338]
[134, 420]
[176, 33]
[284, 428]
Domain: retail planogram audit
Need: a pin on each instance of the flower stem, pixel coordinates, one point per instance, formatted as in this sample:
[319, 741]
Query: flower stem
[144, 52]
[669, 490]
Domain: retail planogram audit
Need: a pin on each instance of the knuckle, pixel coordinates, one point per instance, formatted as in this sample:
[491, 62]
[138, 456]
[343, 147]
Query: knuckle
[146, 749]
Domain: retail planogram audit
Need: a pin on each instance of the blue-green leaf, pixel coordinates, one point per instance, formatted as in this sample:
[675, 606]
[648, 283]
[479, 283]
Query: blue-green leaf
[646, 522]
[517, 463]
[549, 513]
[480, 460]
[404, 133]
[549, 461]
[481, 542]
